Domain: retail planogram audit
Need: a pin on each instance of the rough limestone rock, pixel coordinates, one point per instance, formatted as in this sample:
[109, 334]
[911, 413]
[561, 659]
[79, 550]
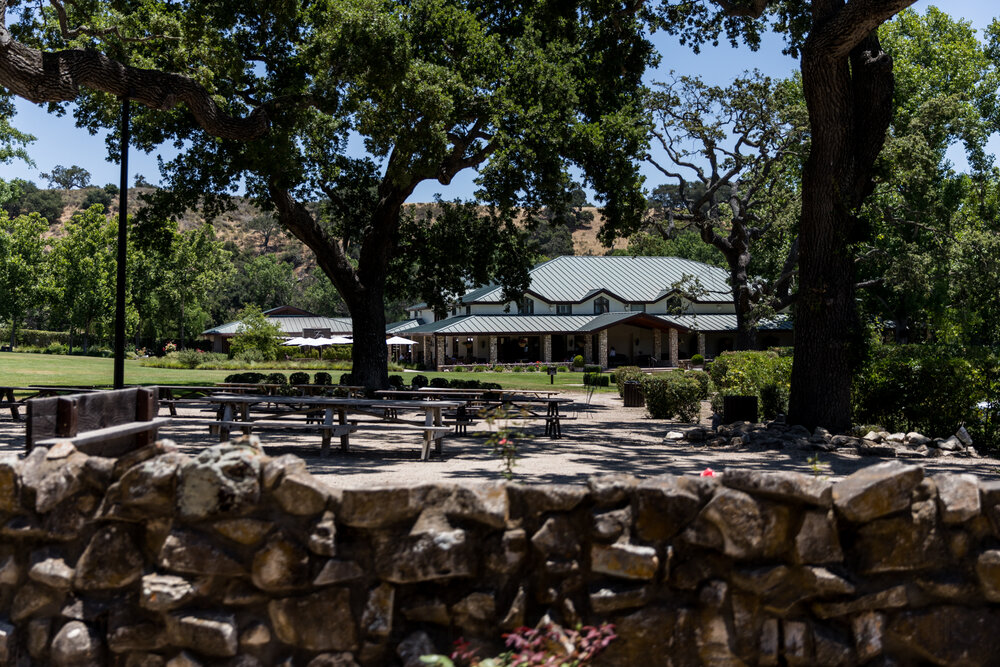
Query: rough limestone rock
[413, 647]
[337, 571]
[222, 479]
[664, 506]
[612, 599]
[317, 622]
[609, 526]
[282, 565]
[736, 516]
[610, 490]
[111, 560]
[876, 491]
[946, 635]
[818, 541]
[782, 486]
[624, 561]
[76, 645]
[988, 571]
[10, 467]
[51, 480]
[376, 620]
[275, 469]
[137, 636]
[151, 485]
[165, 592]
[532, 501]
[7, 641]
[35, 599]
[323, 538]
[243, 531]
[487, 504]
[557, 538]
[907, 543]
[212, 634]
[433, 550]
[379, 508]
[52, 572]
[958, 497]
[301, 495]
[191, 553]
[963, 436]
[890, 598]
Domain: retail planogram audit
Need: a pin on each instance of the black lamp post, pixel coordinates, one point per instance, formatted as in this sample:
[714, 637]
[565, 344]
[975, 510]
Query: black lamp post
[119, 379]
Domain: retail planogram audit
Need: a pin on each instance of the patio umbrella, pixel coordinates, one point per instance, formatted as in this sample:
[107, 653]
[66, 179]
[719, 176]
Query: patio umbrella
[296, 342]
[340, 340]
[314, 342]
[399, 340]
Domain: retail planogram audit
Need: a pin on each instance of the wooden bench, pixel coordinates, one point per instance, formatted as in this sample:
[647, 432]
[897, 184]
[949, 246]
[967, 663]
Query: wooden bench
[105, 423]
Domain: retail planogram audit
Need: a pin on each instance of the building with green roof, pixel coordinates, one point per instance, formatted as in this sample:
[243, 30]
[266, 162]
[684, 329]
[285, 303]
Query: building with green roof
[613, 310]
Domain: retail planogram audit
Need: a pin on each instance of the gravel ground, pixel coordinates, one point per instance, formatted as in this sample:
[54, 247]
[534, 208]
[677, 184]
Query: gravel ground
[605, 438]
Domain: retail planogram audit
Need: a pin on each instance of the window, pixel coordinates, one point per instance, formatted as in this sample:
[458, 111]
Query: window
[525, 307]
[601, 305]
[564, 309]
[638, 308]
[468, 310]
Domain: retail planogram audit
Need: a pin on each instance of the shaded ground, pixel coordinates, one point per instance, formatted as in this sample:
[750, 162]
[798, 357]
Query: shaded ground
[605, 438]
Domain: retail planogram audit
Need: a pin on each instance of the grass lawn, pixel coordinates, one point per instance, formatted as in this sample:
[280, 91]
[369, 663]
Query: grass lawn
[18, 369]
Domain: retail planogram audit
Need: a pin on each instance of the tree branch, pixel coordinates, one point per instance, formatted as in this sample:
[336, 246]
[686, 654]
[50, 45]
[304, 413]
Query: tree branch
[853, 22]
[41, 76]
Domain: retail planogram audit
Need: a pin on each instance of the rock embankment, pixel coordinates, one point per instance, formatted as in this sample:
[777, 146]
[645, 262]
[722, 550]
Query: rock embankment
[777, 435]
[231, 557]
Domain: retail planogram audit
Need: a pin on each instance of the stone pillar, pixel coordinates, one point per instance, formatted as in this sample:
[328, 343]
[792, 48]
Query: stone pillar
[701, 344]
[425, 342]
[588, 349]
[547, 348]
[439, 354]
[602, 348]
[493, 350]
[673, 347]
[657, 344]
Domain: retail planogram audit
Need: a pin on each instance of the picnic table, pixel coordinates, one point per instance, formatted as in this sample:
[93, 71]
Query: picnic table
[8, 398]
[526, 403]
[246, 411]
[272, 388]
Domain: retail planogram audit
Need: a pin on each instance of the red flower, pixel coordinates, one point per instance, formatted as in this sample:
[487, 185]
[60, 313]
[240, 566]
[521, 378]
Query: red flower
[708, 472]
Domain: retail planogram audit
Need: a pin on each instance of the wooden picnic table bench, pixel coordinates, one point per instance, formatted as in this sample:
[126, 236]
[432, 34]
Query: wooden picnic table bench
[272, 388]
[101, 423]
[10, 400]
[237, 413]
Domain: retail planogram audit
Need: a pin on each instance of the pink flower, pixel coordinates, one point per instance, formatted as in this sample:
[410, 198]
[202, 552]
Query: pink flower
[708, 472]
[504, 441]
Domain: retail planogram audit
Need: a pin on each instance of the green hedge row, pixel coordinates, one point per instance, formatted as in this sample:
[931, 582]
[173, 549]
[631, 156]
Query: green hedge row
[673, 394]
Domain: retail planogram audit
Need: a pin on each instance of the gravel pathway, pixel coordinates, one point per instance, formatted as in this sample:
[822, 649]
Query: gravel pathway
[605, 438]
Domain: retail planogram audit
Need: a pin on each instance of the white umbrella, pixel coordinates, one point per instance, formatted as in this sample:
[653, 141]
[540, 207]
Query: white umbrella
[314, 342]
[297, 341]
[340, 340]
[399, 340]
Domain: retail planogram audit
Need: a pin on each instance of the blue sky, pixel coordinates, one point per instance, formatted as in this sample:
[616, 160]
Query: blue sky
[59, 142]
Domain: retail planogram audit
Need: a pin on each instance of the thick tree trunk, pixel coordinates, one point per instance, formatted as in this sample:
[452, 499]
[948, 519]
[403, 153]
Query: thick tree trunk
[850, 105]
[369, 353]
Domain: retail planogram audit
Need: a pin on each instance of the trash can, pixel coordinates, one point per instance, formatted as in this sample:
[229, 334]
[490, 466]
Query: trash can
[739, 409]
[633, 395]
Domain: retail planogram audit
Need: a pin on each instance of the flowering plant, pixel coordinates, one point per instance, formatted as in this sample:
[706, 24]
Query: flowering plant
[169, 347]
[549, 645]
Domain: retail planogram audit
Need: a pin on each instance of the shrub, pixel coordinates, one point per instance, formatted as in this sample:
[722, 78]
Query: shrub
[458, 369]
[747, 374]
[490, 385]
[322, 378]
[276, 378]
[703, 381]
[672, 394]
[346, 378]
[189, 358]
[418, 381]
[923, 388]
[298, 377]
[256, 337]
[624, 374]
[562, 369]
[248, 377]
[697, 359]
[478, 369]
[396, 381]
[592, 368]
[596, 379]
[497, 368]
[440, 383]
[56, 348]
[578, 361]
[517, 369]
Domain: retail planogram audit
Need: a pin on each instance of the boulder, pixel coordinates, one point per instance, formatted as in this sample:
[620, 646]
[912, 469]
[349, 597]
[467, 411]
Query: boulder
[222, 479]
[607, 600]
[914, 439]
[624, 561]
[51, 481]
[557, 537]
[35, 599]
[212, 634]
[323, 538]
[876, 491]
[376, 620]
[337, 571]
[945, 635]
[76, 645]
[988, 571]
[958, 497]
[611, 489]
[52, 572]
[380, 507]
[281, 565]
[963, 436]
[301, 495]
[890, 598]
[737, 518]
[783, 486]
[10, 467]
[111, 560]
[192, 553]
[243, 531]
[432, 551]
[664, 506]
[165, 592]
[316, 622]
[952, 444]
[901, 544]
[818, 541]
[151, 485]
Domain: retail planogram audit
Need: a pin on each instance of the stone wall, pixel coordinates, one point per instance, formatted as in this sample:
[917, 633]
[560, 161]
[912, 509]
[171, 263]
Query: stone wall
[239, 559]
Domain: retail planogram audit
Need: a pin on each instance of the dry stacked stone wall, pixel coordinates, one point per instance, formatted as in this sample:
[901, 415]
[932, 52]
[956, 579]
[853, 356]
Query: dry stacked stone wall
[234, 558]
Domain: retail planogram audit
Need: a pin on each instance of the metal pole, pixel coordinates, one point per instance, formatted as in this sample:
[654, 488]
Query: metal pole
[122, 248]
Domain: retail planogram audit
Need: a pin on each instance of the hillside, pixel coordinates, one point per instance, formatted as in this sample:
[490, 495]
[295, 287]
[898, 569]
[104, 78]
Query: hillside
[236, 226]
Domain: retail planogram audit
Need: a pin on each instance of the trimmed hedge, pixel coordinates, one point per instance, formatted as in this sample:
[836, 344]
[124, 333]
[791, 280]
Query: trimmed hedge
[766, 375]
[322, 377]
[298, 377]
[672, 394]
[418, 381]
[596, 379]
[276, 378]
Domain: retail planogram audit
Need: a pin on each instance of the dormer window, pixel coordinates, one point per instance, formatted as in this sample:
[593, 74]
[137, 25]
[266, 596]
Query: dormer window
[601, 305]
[526, 306]
[638, 308]
[564, 309]
[468, 310]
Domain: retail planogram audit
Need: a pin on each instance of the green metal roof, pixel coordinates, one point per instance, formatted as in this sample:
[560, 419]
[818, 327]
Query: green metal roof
[724, 322]
[403, 325]
[290, 325]
[503, 325]
[573, 279]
